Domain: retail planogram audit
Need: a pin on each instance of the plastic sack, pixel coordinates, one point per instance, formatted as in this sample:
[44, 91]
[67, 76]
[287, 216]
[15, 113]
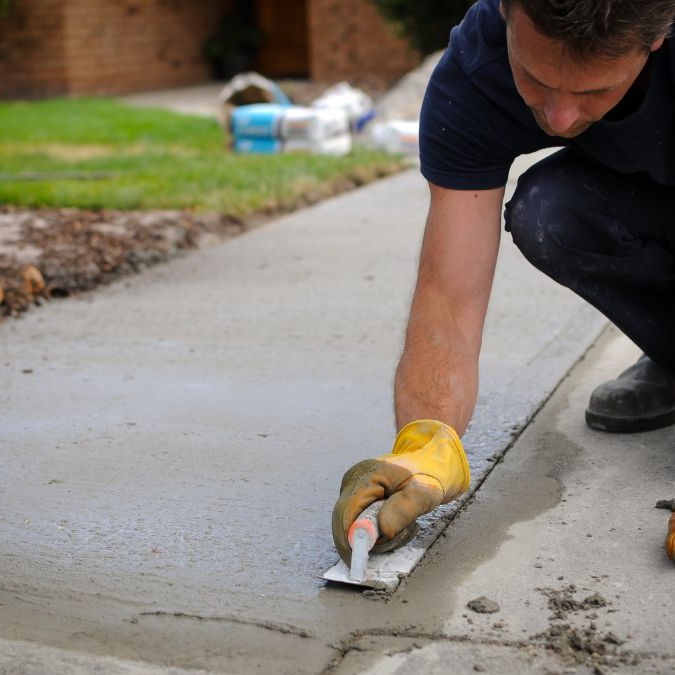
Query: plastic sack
[358, 105]
[399, 137]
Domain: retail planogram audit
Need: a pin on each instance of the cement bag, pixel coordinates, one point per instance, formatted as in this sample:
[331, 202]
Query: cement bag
[313, 124]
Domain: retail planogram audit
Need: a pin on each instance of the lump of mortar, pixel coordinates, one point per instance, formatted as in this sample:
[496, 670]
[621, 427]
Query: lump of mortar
[483, 605]
[668, 504]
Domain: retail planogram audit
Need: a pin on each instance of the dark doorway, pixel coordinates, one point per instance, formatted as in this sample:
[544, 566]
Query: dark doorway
[284, 51]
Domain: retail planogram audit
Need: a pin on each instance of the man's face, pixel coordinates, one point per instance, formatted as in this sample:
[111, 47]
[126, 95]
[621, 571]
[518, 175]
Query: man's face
[566, 95]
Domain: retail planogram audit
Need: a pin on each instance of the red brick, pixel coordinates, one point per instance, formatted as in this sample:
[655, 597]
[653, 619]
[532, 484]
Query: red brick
[76, 47]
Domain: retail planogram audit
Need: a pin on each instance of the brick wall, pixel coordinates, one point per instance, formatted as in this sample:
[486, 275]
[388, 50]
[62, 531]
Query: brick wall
[75, 47]
[32, 49]
[133, 45]
[350, 40]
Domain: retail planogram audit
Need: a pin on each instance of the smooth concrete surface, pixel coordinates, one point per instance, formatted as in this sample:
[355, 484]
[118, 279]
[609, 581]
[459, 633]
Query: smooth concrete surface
[172, 445]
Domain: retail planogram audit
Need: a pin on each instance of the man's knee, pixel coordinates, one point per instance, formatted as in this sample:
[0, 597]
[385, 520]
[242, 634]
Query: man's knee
[536, 216]
[564, 220]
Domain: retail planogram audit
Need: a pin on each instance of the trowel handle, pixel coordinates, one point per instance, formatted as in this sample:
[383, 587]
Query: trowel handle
[367, 522]
[670, 539]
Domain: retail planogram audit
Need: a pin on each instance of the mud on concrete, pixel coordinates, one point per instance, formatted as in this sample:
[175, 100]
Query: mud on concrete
[562, 602]
[584, 644]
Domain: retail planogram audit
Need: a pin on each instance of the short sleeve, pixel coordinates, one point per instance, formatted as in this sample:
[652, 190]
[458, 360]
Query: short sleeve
[473, 122]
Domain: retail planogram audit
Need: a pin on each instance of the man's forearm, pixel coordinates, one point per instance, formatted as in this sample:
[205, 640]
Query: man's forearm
[437, 376]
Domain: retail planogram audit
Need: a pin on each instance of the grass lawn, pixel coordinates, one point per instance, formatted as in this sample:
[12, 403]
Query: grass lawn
[97, 153]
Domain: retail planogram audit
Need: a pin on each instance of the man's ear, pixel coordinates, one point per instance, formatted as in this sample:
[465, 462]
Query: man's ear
[655, 45]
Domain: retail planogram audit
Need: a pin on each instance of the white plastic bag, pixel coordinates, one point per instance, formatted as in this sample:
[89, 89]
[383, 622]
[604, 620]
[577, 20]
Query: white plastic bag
[357, 103]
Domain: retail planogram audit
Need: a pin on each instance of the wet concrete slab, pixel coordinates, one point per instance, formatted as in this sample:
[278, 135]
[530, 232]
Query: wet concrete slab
[565, 538]
[410, 656]
[172, 445]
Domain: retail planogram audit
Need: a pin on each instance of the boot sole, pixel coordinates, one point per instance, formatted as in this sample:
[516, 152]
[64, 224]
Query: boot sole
[629, 425]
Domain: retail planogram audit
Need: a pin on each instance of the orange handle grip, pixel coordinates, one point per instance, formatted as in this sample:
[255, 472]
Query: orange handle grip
[670, 539]
[367, 521]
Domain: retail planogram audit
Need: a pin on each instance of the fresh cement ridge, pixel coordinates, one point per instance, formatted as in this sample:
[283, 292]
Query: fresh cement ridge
[283, 628]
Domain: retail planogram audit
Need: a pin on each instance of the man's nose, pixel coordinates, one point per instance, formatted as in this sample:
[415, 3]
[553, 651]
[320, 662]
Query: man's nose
[561, 113]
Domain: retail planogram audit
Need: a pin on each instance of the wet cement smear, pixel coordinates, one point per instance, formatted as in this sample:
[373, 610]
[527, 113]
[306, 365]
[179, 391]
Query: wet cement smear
[530, 487]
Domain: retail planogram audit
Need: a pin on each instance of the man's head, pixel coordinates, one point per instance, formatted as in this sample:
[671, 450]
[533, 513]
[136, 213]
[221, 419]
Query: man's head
[574, 60]
[599, 27]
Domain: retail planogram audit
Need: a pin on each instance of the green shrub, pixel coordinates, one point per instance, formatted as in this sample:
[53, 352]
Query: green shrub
[424, 23]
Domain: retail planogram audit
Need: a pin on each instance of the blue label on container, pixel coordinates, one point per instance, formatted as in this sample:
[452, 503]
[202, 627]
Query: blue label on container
[260, 120]
[261, 146]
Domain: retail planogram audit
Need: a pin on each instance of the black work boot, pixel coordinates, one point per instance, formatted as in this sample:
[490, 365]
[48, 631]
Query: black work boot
[640, 399]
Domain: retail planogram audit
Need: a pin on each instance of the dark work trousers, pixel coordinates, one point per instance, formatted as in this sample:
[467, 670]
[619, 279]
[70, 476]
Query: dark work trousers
[609, 237]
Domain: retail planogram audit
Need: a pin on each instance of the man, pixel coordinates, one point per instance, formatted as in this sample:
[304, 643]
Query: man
[596, 77]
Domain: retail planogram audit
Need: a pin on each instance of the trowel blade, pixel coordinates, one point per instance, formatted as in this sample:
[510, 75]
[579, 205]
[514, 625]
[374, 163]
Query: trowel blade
[384, 571]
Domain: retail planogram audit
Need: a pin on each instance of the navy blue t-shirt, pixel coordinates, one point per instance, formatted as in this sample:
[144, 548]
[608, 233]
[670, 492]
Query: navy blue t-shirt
[474, 123]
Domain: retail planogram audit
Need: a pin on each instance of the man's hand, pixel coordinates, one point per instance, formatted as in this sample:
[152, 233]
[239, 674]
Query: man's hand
[426, 467]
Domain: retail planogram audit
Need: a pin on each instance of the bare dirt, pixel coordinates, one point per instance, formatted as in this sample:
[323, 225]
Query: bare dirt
[54, 253]
[48, 253]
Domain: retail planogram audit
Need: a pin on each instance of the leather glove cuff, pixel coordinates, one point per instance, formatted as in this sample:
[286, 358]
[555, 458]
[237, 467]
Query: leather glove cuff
[435, 451]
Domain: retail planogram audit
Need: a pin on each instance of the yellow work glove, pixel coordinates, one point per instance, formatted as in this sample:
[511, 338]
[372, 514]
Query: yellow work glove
[426, 467]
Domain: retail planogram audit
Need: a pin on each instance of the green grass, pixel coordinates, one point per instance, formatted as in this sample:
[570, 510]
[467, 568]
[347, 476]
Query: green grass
[97, 153]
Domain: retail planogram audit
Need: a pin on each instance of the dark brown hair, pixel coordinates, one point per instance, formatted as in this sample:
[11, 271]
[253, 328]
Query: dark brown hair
[599, 27]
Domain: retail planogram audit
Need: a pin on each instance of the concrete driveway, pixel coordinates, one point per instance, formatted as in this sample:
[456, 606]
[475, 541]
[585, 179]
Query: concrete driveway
[172, 446]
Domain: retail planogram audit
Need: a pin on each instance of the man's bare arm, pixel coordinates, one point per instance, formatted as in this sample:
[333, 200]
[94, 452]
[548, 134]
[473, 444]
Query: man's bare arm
[437, 377]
